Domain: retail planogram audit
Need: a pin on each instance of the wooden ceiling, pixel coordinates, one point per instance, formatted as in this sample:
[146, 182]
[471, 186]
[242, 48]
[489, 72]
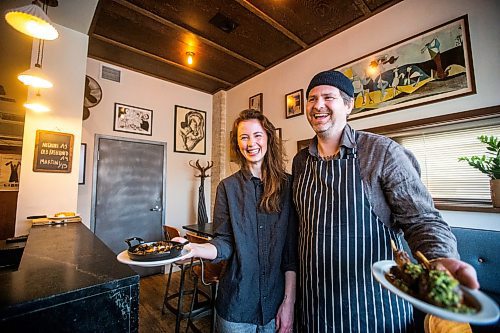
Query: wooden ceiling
[153, 36]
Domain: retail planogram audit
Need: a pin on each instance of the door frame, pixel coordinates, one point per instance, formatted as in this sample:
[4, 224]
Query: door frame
[97, 138]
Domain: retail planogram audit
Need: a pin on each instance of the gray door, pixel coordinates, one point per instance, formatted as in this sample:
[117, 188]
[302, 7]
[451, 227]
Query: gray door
[129, 198]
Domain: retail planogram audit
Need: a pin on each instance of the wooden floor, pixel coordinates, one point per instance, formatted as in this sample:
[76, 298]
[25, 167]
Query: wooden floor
[152, 291]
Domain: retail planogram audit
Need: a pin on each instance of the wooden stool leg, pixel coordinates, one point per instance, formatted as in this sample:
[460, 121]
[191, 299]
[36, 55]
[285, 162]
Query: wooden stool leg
[180, 300]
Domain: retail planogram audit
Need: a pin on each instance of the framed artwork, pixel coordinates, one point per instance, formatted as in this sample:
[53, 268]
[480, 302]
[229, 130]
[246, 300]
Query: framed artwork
[429, 67]
[279, 135]
[133, 119]
[190, 130]
[256, 102]
[301, 144]
[294, 103]
[10, 169]
[83, 158]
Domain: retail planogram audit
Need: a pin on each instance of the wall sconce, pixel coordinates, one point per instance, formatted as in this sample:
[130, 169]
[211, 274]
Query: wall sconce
[32, 20]
[35, 104]
[190, 56]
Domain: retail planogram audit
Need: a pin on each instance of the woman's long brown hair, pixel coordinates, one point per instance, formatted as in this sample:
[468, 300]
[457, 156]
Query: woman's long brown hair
[273, 166]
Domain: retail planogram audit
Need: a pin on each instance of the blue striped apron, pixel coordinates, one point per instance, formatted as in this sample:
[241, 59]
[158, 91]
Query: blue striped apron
[339, 238]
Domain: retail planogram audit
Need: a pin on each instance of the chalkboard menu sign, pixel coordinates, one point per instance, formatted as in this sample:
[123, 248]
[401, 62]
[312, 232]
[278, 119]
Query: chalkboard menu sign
[53, 152]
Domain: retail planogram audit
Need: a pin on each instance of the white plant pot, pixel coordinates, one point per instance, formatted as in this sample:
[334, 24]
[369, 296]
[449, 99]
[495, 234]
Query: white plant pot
[495, 192]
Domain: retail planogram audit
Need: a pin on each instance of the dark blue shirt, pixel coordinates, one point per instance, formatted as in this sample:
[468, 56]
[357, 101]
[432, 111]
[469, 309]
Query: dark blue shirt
[260, 247]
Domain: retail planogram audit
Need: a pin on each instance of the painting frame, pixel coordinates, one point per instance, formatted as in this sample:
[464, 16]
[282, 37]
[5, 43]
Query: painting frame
[301, 144]
[190, 130]
[256, 102]
[83, 162]
[429, 67]
[132, 119]
[294, 104]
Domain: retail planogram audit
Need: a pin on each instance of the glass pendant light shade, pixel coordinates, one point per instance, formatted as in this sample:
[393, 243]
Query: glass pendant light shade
[34, 77]
[36, 104]
[32, 21]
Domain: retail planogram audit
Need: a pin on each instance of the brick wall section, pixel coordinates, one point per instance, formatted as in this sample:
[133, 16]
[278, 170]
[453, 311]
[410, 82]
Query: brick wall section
[219, 139]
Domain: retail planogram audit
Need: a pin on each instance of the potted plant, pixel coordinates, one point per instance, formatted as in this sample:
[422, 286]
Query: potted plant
[489, 164]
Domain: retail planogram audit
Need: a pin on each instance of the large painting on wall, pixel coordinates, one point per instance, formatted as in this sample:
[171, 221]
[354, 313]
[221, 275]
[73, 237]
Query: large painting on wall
[429, 67]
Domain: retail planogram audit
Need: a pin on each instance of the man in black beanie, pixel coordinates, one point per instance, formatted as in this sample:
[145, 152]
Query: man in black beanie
[355, 192]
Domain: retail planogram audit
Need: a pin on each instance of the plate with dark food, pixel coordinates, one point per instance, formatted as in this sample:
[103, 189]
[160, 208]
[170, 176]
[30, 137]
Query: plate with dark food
[429, 287]
[150, 254]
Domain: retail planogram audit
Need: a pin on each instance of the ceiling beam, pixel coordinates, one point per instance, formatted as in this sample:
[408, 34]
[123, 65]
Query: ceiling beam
[170, 24]
[157, 58]
[362, 7]
[272, 22]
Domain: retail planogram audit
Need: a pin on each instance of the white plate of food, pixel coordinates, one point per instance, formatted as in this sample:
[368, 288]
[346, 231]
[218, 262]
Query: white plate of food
[486, 310]
[63, 216]
[124, 258]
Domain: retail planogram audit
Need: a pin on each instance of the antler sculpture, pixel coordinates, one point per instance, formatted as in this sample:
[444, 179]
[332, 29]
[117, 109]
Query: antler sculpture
[202, 210]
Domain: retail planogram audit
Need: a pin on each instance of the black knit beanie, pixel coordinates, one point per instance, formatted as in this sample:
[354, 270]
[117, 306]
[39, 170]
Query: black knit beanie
[332, 78]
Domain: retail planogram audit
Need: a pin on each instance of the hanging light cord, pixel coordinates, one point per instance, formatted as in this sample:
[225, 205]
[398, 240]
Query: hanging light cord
[41, 42]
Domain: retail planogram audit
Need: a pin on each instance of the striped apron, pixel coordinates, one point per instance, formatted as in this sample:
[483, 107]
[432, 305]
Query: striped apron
[339, 238]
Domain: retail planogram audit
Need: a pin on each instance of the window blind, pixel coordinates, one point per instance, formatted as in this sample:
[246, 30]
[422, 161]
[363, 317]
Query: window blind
[442, 173]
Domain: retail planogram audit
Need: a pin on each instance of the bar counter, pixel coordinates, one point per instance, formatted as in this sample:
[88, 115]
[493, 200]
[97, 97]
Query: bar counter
[68, 281]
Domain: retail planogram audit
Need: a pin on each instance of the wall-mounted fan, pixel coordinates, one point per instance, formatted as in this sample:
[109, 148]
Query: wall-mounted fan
[93, 95]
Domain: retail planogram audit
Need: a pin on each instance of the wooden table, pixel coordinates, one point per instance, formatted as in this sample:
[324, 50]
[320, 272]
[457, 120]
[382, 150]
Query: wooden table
[205, 229]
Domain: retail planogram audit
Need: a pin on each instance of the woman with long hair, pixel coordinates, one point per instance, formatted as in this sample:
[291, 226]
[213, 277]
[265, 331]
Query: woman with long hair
[255, 222]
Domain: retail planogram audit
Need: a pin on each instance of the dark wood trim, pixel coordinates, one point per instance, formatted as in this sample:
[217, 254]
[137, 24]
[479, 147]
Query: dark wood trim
[157, 58]
[475, 114]
[362, 7]
[466, 207]
[172, 25]
[272, 22]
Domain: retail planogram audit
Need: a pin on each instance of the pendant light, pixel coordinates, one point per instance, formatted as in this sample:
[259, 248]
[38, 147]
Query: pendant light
[32, 20]
[36, 104]
[34, 77]
[190, 56]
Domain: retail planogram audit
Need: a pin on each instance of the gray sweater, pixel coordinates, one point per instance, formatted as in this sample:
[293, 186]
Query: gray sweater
[391, 180]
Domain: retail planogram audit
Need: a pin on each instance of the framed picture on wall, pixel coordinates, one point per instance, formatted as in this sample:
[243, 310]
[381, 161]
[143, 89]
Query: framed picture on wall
[190, 130]
[294, 103]
[83, 158]
[10, 170]
[133, 119]
[301, 144]
[256, 102]
[428, 67]
[279, 135]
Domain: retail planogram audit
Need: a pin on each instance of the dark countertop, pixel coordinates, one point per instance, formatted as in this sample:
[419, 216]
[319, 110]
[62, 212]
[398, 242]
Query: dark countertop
[59, 264]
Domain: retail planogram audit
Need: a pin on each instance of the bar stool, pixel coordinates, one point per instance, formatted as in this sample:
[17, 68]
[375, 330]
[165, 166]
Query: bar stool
[209, 274]
[184, 265]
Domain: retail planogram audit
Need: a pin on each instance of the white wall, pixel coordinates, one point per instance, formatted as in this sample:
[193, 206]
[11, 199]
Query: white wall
[401, 21]
[64, 63]
[161, 97]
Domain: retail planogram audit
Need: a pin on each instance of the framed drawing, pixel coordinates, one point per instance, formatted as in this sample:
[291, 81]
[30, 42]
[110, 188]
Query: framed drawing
[133, 119]
[432, 66]
[190, 130]
[294, 103]
[81, 170]
[256, 102]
